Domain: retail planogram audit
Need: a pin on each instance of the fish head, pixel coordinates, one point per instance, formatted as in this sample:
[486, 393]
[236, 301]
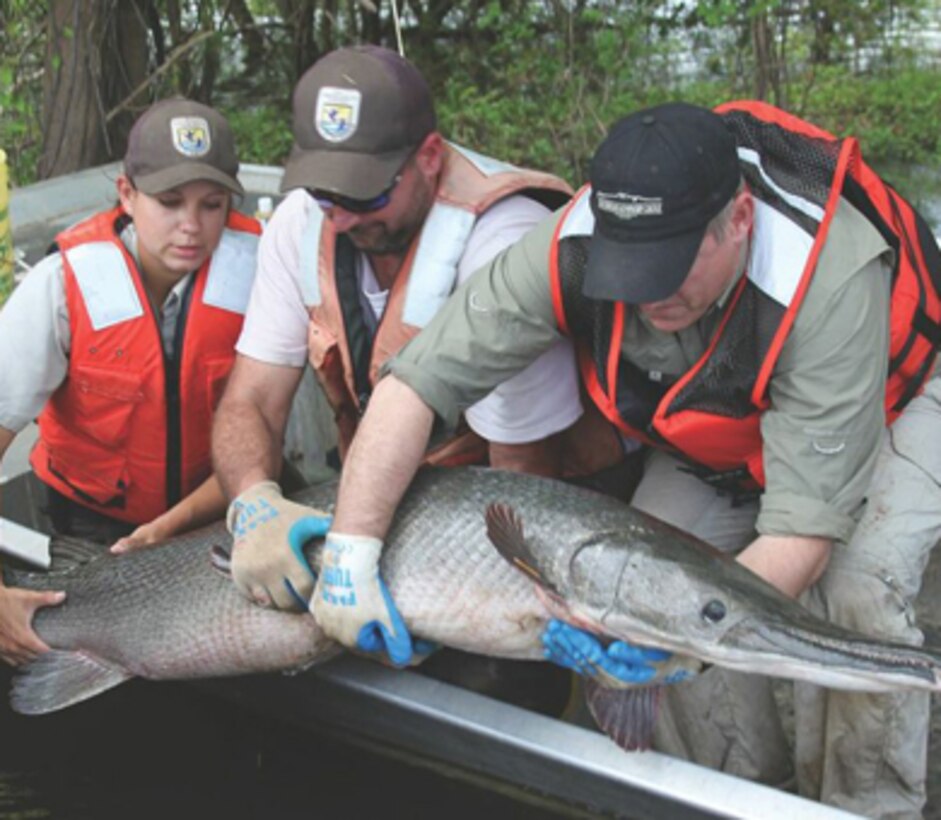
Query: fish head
[628, 576]
[684, 596]
[623, 583]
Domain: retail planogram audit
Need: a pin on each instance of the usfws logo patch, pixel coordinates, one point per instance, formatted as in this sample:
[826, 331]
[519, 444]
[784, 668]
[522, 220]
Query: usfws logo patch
[191, 136]
[337, 113]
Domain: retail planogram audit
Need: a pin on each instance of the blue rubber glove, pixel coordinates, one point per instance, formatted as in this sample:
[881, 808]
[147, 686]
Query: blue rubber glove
[269, 533]
[352, 603]
[620, 664]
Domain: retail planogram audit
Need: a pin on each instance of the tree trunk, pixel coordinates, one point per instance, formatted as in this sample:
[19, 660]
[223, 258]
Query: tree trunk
[250, 36]
[96, 54]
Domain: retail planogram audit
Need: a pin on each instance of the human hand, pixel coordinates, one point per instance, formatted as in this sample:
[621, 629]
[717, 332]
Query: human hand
[18, 642]
[269, 532]
[146, 535]
[618, 665]
[352, 603]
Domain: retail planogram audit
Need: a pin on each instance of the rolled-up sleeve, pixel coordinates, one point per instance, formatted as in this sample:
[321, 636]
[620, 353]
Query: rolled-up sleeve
[493, 326]
[822, 431]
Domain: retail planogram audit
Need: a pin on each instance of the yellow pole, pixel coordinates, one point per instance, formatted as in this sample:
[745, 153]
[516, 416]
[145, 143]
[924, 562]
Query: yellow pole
[6, 232]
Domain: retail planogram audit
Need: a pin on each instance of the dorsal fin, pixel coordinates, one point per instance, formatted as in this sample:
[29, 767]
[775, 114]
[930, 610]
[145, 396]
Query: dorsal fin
[70, 553]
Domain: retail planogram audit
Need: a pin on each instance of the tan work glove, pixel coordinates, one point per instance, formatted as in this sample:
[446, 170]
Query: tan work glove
[269, 533]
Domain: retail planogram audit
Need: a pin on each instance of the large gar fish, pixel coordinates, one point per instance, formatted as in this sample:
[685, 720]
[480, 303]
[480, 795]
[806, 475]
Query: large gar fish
[166, 613]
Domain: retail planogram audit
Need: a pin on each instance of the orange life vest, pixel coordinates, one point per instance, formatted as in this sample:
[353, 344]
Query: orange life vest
[797, 174]
[128, 432]
[344, 357]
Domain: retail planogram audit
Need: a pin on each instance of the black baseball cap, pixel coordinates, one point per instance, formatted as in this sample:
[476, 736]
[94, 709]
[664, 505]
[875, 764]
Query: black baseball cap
[657, 180]
[176, 141]
[358, 115]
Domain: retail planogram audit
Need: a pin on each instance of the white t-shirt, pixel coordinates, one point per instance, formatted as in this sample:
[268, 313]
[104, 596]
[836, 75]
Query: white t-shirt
[534, 404]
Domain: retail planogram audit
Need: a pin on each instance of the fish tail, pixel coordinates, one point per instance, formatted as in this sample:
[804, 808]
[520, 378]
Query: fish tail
[59, 679]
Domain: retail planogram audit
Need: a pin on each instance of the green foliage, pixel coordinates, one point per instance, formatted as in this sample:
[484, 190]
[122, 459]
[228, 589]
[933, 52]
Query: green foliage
[895, 117]
[20, 87]
[550, 84]
[262, 133]
[535, 82]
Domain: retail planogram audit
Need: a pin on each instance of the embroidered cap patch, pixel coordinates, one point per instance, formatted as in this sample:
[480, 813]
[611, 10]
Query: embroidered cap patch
[191, 136]
[337, 113]
[629, 206]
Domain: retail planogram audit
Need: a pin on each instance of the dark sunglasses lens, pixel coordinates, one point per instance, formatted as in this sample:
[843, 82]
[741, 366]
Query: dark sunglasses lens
[356, 206]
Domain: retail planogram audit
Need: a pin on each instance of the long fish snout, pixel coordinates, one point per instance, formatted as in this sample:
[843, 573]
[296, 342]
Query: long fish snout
[825, 654]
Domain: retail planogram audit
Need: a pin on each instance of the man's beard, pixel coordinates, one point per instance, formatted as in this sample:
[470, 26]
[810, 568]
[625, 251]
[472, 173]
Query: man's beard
[377, 240]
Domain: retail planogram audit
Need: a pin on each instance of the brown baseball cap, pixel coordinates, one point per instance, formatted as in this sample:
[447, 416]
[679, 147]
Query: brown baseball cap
[358, 114]
[178, 141]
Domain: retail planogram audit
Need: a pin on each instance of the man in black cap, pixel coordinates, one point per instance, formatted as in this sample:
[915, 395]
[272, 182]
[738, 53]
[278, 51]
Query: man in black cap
[726, 277]
[383, 220]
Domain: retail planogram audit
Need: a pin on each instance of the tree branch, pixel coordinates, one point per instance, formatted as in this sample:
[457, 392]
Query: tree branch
[178, 52]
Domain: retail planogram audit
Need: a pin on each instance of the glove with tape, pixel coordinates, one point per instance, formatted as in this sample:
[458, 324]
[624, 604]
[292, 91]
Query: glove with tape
[352, 603]
[269, 533]
[620, 664]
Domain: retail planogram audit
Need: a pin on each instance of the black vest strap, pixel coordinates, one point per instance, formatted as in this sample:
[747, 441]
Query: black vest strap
[358, 335]
[930, 250]
[171, 378]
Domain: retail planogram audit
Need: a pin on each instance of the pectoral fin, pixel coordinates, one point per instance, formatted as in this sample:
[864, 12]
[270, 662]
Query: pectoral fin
[505, 531]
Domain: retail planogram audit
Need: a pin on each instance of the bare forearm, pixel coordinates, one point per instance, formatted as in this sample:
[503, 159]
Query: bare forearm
[248, 429]
[206, 503]
[790, 563]
[386, 452]
[246, 449]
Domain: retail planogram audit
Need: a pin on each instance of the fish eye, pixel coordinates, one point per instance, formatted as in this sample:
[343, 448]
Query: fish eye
[714, 611]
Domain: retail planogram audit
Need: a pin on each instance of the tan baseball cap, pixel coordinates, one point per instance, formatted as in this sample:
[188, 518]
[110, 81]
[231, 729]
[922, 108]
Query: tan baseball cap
[358, 114]
[178, 141]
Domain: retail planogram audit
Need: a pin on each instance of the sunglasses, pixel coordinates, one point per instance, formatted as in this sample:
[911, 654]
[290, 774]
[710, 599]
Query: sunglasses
[327, 199]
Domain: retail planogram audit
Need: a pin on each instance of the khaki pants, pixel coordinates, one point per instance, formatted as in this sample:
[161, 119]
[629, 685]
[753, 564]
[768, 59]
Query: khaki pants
[862, 752]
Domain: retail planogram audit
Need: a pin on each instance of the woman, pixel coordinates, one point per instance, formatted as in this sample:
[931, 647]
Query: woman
[121, 342]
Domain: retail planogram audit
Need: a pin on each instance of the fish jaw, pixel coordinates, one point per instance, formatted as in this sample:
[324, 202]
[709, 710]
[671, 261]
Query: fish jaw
[837, 658]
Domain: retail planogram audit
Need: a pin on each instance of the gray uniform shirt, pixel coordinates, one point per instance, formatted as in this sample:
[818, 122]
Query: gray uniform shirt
[821, 431]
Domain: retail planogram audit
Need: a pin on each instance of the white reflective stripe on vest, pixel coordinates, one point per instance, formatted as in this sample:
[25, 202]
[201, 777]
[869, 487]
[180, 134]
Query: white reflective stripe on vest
[106, 284]
[779, 252]
[805, 206]
[232, 271]
[434, 270]
[579, 220]
[309, 256]
[488, 166]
